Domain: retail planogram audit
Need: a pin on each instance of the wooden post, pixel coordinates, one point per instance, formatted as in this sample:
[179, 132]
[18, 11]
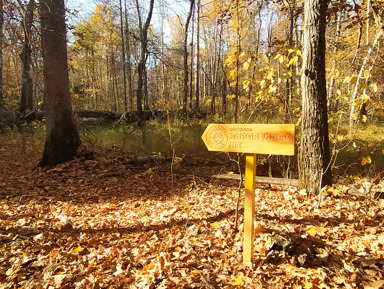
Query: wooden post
[275, 139]
[249, 207]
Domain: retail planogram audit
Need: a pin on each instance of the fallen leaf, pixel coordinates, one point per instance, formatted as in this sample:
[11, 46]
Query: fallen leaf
[216, 225]
[236, 282]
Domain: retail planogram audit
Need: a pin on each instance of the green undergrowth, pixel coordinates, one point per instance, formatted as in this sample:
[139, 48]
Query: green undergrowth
[359, 154]
[153, 137]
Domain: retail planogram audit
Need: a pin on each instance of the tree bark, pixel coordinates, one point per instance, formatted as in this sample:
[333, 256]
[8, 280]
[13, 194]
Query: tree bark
[197, 77]
[26, 100]
[314, 155]
[143, 56]
[62, 137]
[185, 82]
[123, 56]
[1, 53]
[128, 50]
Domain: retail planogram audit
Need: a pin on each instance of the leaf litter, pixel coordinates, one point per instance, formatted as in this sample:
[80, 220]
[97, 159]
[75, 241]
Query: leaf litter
[103, 224]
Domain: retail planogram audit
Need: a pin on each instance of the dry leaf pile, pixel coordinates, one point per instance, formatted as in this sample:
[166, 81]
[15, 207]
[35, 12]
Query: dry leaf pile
[101, 224]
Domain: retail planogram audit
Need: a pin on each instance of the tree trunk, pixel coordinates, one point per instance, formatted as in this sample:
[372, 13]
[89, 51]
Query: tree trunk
[314, 155]
[26, 100]
[197, 77]
[1, 53]
[335, 49]
[143, 57]
[123, 56]
[379, 34]
[129, 65]
[185, 82]
[62, 137]
[191, 63]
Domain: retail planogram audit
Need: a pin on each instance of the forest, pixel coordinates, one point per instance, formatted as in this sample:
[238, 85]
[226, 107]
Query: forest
[105, 180]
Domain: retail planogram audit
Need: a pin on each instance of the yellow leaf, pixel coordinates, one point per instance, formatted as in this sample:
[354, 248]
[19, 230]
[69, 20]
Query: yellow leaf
[363, 161]
[365, 97]
[314, 271]
[281, 59]
[374, 86]
[178, 249]
[316, 230]
[149, 171]
[311, 231]
[364, 119]
[77, 250]
[369, 160]
[216, 225]
[382, 152]
[347, 79]
[272, 89]
[147, 202]
[246, 65]
[293, 61]
[125, 235]
[236, 282]
[40, 103]
[307, 285]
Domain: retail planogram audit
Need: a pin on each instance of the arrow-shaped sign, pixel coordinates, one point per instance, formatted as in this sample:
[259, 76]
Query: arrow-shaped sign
[275, 139]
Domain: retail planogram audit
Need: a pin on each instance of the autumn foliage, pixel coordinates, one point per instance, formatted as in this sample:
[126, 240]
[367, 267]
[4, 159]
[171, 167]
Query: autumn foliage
[106, 223]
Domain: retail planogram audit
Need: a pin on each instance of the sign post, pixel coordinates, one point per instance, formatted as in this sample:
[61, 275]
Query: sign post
[276, 139]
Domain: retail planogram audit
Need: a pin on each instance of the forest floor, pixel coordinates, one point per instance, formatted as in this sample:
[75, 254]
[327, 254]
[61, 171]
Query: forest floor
[108, 223]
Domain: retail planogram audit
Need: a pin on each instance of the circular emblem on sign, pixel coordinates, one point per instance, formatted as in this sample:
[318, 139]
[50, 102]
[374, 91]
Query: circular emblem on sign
[217, 137]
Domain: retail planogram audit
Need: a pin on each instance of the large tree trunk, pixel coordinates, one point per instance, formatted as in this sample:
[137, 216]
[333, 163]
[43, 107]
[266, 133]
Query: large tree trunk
[314, 156]
[26, 101]
[62, 137]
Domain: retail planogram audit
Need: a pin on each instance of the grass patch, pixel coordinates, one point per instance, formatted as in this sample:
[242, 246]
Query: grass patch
[152, 137]
[360, 154]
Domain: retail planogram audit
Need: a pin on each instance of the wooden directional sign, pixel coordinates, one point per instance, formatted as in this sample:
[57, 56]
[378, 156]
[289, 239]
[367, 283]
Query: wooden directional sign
[276, 139]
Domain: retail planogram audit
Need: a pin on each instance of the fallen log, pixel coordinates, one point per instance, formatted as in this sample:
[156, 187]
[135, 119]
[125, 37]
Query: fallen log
[109, 115]
[262, 180]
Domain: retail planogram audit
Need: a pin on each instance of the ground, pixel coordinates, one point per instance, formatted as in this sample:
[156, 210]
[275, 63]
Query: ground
[106, 221]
